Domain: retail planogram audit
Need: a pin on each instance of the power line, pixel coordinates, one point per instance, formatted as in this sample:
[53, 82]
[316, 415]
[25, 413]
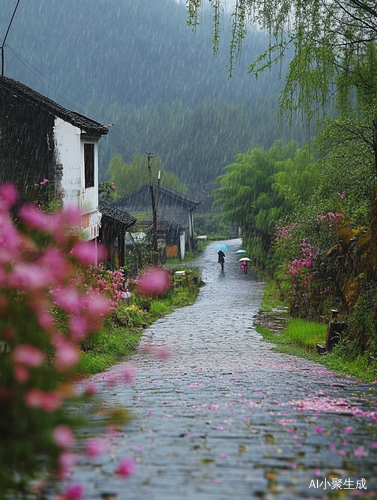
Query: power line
[5, 38]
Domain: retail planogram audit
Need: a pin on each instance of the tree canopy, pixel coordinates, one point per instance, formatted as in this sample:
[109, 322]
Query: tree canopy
[262, 186]
[328, 37]
[130, 177]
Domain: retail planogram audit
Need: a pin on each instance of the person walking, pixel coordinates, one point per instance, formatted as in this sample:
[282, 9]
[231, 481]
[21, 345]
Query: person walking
[221, 258]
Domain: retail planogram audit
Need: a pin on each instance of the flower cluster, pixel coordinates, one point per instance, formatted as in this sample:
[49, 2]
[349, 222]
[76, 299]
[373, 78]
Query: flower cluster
[107, 190]
[283, 232]
[331, 218]
[38, 256]
[46, 197]
[108, 283]
[309, 253]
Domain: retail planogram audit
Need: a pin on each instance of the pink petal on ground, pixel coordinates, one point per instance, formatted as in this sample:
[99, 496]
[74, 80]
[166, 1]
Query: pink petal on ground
[128, 374]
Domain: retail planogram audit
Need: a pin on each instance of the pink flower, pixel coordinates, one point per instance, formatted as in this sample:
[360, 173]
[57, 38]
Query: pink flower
[49, 401]
[347, 430]
[85, 252]
[8, 194]
[54, 260]
[97, 305]
[319, 430]
[67, 460]
[68, 299]
[126, 467]
[27, 355]
[155, 281]
[29, 276]
[34, 218]
[33, 398]
[21, 373]
[78, 326]
[74, 492]
[97, 446]
[63, 436]
[66, 354]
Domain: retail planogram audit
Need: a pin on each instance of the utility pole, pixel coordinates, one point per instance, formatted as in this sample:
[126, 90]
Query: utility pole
[154, 213]
[5, 38]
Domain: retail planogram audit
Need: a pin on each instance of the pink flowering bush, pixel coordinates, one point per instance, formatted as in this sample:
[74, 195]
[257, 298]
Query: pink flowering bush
[302, 251]
[41, 270]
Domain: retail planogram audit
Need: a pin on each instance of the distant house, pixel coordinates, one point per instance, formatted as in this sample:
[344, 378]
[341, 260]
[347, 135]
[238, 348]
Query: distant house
[39, 139]
[175, 216]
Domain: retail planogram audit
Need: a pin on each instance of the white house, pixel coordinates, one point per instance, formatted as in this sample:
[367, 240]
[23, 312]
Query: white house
[39, 139]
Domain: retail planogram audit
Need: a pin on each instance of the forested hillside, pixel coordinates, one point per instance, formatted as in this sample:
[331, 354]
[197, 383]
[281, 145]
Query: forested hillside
[136, 63]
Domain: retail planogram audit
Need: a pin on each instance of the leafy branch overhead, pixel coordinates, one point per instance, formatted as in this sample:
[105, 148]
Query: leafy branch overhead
[324, 40]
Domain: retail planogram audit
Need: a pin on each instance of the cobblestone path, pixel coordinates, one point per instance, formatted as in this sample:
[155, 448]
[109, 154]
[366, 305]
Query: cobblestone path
[225, 417]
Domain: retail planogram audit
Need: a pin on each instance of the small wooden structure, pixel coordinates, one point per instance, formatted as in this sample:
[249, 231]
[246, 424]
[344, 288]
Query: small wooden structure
[334, 330]
[112, 234]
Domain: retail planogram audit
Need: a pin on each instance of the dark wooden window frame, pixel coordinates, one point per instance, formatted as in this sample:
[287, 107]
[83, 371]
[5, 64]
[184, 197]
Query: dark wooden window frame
[89, 152]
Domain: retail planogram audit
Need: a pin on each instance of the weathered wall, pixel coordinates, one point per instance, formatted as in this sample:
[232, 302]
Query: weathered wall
[27, 149]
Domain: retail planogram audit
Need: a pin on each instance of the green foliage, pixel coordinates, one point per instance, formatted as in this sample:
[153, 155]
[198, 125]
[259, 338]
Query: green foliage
[131, 177]
[45, 196]
[108, 347]
[327, 37]
[260, 187]
[106, 190]
[129, 315]
[212, 225]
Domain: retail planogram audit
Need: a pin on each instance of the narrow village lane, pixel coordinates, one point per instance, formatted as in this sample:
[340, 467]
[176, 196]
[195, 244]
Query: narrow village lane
[226, 417]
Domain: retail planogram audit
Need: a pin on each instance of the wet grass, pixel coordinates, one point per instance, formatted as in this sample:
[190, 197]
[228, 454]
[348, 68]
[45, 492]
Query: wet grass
[306, 334]
[300, 337]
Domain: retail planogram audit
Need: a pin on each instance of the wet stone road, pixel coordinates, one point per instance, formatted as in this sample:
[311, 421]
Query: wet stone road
[225, 417]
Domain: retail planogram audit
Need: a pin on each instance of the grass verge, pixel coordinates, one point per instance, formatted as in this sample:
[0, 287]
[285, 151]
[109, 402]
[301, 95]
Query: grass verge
[121, 334]
[300, 337]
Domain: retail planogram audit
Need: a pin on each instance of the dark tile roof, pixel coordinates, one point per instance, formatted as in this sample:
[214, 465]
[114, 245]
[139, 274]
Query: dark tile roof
[179, 198]
[76, 119]
[119, 216]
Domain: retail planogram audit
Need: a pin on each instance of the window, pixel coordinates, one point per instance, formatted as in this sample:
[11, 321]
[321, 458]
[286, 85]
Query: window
[89, 165]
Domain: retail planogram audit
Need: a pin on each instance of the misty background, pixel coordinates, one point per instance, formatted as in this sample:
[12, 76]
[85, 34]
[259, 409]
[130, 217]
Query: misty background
[137, 65]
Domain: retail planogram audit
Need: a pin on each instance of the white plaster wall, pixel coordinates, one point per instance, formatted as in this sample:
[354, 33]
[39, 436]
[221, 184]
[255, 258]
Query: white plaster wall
[69, 147]
[68, 154]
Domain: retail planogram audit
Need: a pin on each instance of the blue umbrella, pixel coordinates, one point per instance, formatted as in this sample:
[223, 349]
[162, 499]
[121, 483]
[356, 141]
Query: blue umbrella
[241, 251]
[222, 246]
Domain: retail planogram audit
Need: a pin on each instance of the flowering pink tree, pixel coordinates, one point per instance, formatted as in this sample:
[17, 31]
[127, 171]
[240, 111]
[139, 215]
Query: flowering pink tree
[39, 260]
